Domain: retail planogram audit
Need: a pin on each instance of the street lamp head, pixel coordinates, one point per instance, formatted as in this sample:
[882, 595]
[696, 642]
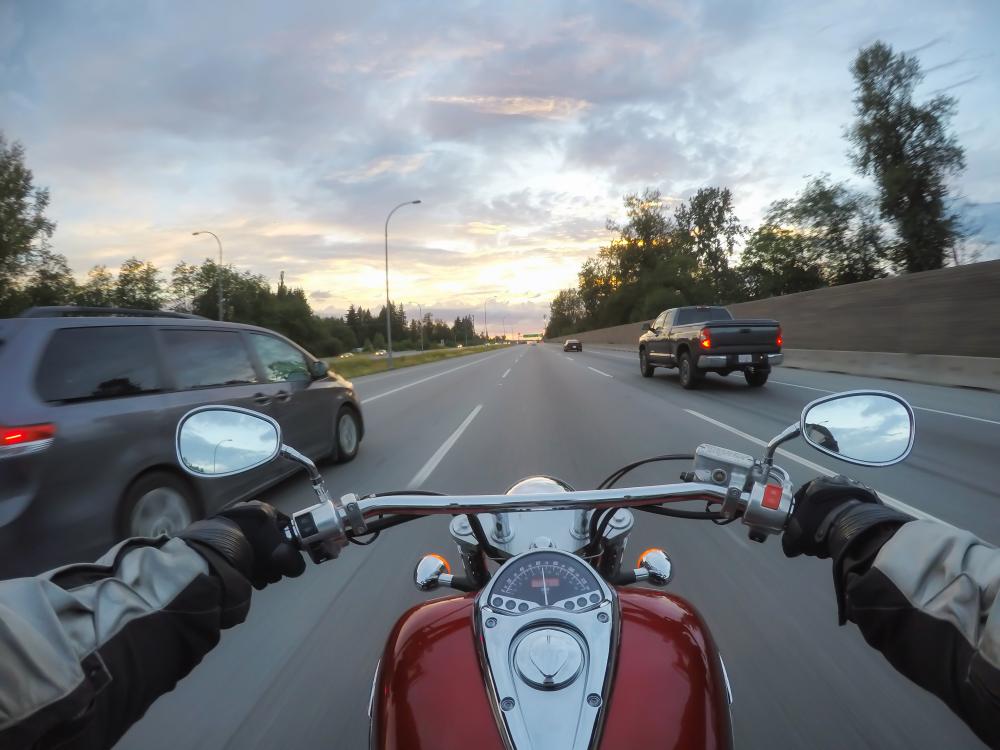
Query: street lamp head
[195, 234]
[415, 202]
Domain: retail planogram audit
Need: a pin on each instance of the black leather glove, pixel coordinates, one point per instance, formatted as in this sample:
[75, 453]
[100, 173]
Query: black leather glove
[250, 537]
[829, 513]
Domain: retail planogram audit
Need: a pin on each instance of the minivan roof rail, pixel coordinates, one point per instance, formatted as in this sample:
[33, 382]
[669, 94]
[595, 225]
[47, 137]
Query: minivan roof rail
[62, 311]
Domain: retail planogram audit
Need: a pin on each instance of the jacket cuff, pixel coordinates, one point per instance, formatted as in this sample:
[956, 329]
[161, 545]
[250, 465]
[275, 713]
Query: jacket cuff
[855, 540]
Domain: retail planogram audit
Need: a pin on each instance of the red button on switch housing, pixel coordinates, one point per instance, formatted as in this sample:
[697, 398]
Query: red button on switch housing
[772, 497]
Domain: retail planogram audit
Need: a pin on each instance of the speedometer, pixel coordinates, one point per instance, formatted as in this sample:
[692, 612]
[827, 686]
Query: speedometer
[545, 579]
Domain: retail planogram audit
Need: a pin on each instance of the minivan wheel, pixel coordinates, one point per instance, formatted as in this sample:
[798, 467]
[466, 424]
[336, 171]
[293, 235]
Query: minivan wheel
[157, 503]
[347, 434]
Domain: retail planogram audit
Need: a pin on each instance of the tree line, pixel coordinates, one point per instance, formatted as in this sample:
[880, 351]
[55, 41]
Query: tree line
[827, 234]
[32, 275]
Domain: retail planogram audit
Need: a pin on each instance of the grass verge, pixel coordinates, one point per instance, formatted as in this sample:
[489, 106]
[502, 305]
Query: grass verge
[355, 367]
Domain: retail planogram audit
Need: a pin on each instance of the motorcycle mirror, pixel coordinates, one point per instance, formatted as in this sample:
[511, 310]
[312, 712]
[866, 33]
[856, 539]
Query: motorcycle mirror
[868, 428]
[219, 441]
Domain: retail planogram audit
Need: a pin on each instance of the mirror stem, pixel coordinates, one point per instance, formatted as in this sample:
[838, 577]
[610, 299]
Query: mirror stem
[792, 431]
[290, 453]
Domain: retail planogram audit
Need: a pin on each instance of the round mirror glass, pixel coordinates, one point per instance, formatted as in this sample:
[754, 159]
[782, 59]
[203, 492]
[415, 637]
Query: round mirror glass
[864, 428]
[219, 441]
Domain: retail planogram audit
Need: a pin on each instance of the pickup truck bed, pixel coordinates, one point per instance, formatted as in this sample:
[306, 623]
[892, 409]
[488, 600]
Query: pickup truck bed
[699, 340]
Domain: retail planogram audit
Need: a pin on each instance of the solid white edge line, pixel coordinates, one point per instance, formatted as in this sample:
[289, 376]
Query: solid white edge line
[918, 408]
[429, 377]
[888, 499]
[599, 372]
[421, 476]
[505, 374]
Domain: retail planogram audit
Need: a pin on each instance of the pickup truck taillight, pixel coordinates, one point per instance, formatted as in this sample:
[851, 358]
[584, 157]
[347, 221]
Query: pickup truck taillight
[27, 439]
[705, 337]
[779, 339]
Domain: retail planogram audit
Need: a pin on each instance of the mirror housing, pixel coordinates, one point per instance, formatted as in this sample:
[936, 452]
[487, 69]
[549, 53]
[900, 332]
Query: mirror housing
[318, 369]
[867, 428]
[220, 441]
[646, 327]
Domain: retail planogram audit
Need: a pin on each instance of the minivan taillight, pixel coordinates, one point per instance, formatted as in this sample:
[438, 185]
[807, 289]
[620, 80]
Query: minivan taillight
[706, 338]
[26, 439]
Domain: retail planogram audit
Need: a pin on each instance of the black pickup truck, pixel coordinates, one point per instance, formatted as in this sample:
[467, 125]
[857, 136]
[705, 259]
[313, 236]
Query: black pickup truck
[704, 339]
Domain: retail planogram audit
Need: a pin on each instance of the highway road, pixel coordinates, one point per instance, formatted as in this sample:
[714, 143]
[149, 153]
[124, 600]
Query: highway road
[298, 673]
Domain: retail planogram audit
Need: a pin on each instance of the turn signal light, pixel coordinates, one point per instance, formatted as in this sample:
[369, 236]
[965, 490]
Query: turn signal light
[27, 434]
[444, 562]
[638, 563]
[706, 338]
[779, 340]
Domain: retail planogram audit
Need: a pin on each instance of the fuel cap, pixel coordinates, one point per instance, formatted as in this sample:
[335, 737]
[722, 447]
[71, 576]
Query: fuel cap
[548, 659]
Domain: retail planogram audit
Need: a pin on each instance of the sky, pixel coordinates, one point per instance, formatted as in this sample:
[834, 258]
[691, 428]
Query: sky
[291, 129]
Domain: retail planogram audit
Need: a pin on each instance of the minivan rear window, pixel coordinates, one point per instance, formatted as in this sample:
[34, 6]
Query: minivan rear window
[98, 362]
[202, 359]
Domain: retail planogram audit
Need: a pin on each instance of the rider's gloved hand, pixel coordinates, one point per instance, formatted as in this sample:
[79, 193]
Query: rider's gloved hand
[830, 512]
[250, 537]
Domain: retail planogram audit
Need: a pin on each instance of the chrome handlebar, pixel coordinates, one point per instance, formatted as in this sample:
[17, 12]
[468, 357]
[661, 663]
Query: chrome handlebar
[323, 529]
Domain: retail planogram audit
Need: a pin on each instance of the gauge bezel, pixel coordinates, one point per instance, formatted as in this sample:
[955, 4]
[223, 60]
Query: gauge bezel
[502, 599]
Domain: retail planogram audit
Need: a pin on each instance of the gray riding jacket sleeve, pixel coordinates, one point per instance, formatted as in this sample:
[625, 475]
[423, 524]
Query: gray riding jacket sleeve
[86, 649]
[927, 596]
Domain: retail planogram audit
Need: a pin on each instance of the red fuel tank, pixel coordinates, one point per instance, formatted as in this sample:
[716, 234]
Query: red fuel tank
[668, 689]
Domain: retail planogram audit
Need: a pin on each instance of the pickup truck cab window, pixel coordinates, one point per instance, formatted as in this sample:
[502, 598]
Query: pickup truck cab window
[688, 315]
[658, 323]
[668, 318]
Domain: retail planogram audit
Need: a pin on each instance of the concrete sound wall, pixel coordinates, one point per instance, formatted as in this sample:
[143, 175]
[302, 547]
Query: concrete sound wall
[950, 317]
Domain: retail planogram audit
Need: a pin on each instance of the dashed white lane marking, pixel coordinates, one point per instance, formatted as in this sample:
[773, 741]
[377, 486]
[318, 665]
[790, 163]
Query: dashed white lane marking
[599, 372]
[918, 408]
[421, 476]
[898, 504]
[505, 374]
[424, 380]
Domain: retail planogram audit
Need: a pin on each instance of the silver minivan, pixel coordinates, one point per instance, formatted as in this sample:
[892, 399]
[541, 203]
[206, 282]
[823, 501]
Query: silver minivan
[90, 399]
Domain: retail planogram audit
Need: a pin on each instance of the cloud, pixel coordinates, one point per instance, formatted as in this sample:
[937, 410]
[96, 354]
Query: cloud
[519, 125]
[557, 108]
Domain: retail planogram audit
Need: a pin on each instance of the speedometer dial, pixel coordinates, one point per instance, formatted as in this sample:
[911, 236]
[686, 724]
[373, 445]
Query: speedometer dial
[545, 579]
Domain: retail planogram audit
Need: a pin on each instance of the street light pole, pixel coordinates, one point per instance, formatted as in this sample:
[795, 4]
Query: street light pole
[388, 316]
[219, 243]
[419, 307]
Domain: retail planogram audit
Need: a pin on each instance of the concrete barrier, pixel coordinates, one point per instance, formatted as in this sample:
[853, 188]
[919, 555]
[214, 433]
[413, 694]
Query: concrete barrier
[938, 369]
[939, 327]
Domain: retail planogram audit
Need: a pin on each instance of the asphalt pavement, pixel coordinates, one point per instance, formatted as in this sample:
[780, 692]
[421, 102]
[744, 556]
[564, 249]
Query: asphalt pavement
[298, 673]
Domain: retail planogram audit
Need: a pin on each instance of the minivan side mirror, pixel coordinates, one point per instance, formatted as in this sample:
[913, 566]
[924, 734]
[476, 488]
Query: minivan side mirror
[318, 369]
[647, 327]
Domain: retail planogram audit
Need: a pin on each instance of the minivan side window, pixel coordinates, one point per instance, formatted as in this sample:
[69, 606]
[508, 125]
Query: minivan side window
[282, 362]
[98, 362]
[202, 359]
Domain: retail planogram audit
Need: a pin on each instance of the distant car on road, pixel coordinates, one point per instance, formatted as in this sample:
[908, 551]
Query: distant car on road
[572, 345]
[346, 355]
[380, 352]
[89, 411]
[703, 339]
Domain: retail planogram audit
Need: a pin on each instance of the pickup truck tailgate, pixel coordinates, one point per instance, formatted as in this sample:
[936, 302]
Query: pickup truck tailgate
[744, 335]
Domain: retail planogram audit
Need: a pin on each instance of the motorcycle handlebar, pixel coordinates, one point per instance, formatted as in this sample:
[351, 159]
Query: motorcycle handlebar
[628, 497]
[323, 529]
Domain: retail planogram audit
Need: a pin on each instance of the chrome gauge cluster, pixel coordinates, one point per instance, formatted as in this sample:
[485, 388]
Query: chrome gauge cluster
[548, 626]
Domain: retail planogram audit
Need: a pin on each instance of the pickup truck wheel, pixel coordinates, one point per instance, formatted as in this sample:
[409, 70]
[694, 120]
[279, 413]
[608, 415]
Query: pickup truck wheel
[690, 375]
[644, 367]
[756, 378]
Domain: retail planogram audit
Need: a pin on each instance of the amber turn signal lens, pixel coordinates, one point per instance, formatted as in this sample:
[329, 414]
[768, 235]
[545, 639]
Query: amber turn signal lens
[638, 563]
[444, 562]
